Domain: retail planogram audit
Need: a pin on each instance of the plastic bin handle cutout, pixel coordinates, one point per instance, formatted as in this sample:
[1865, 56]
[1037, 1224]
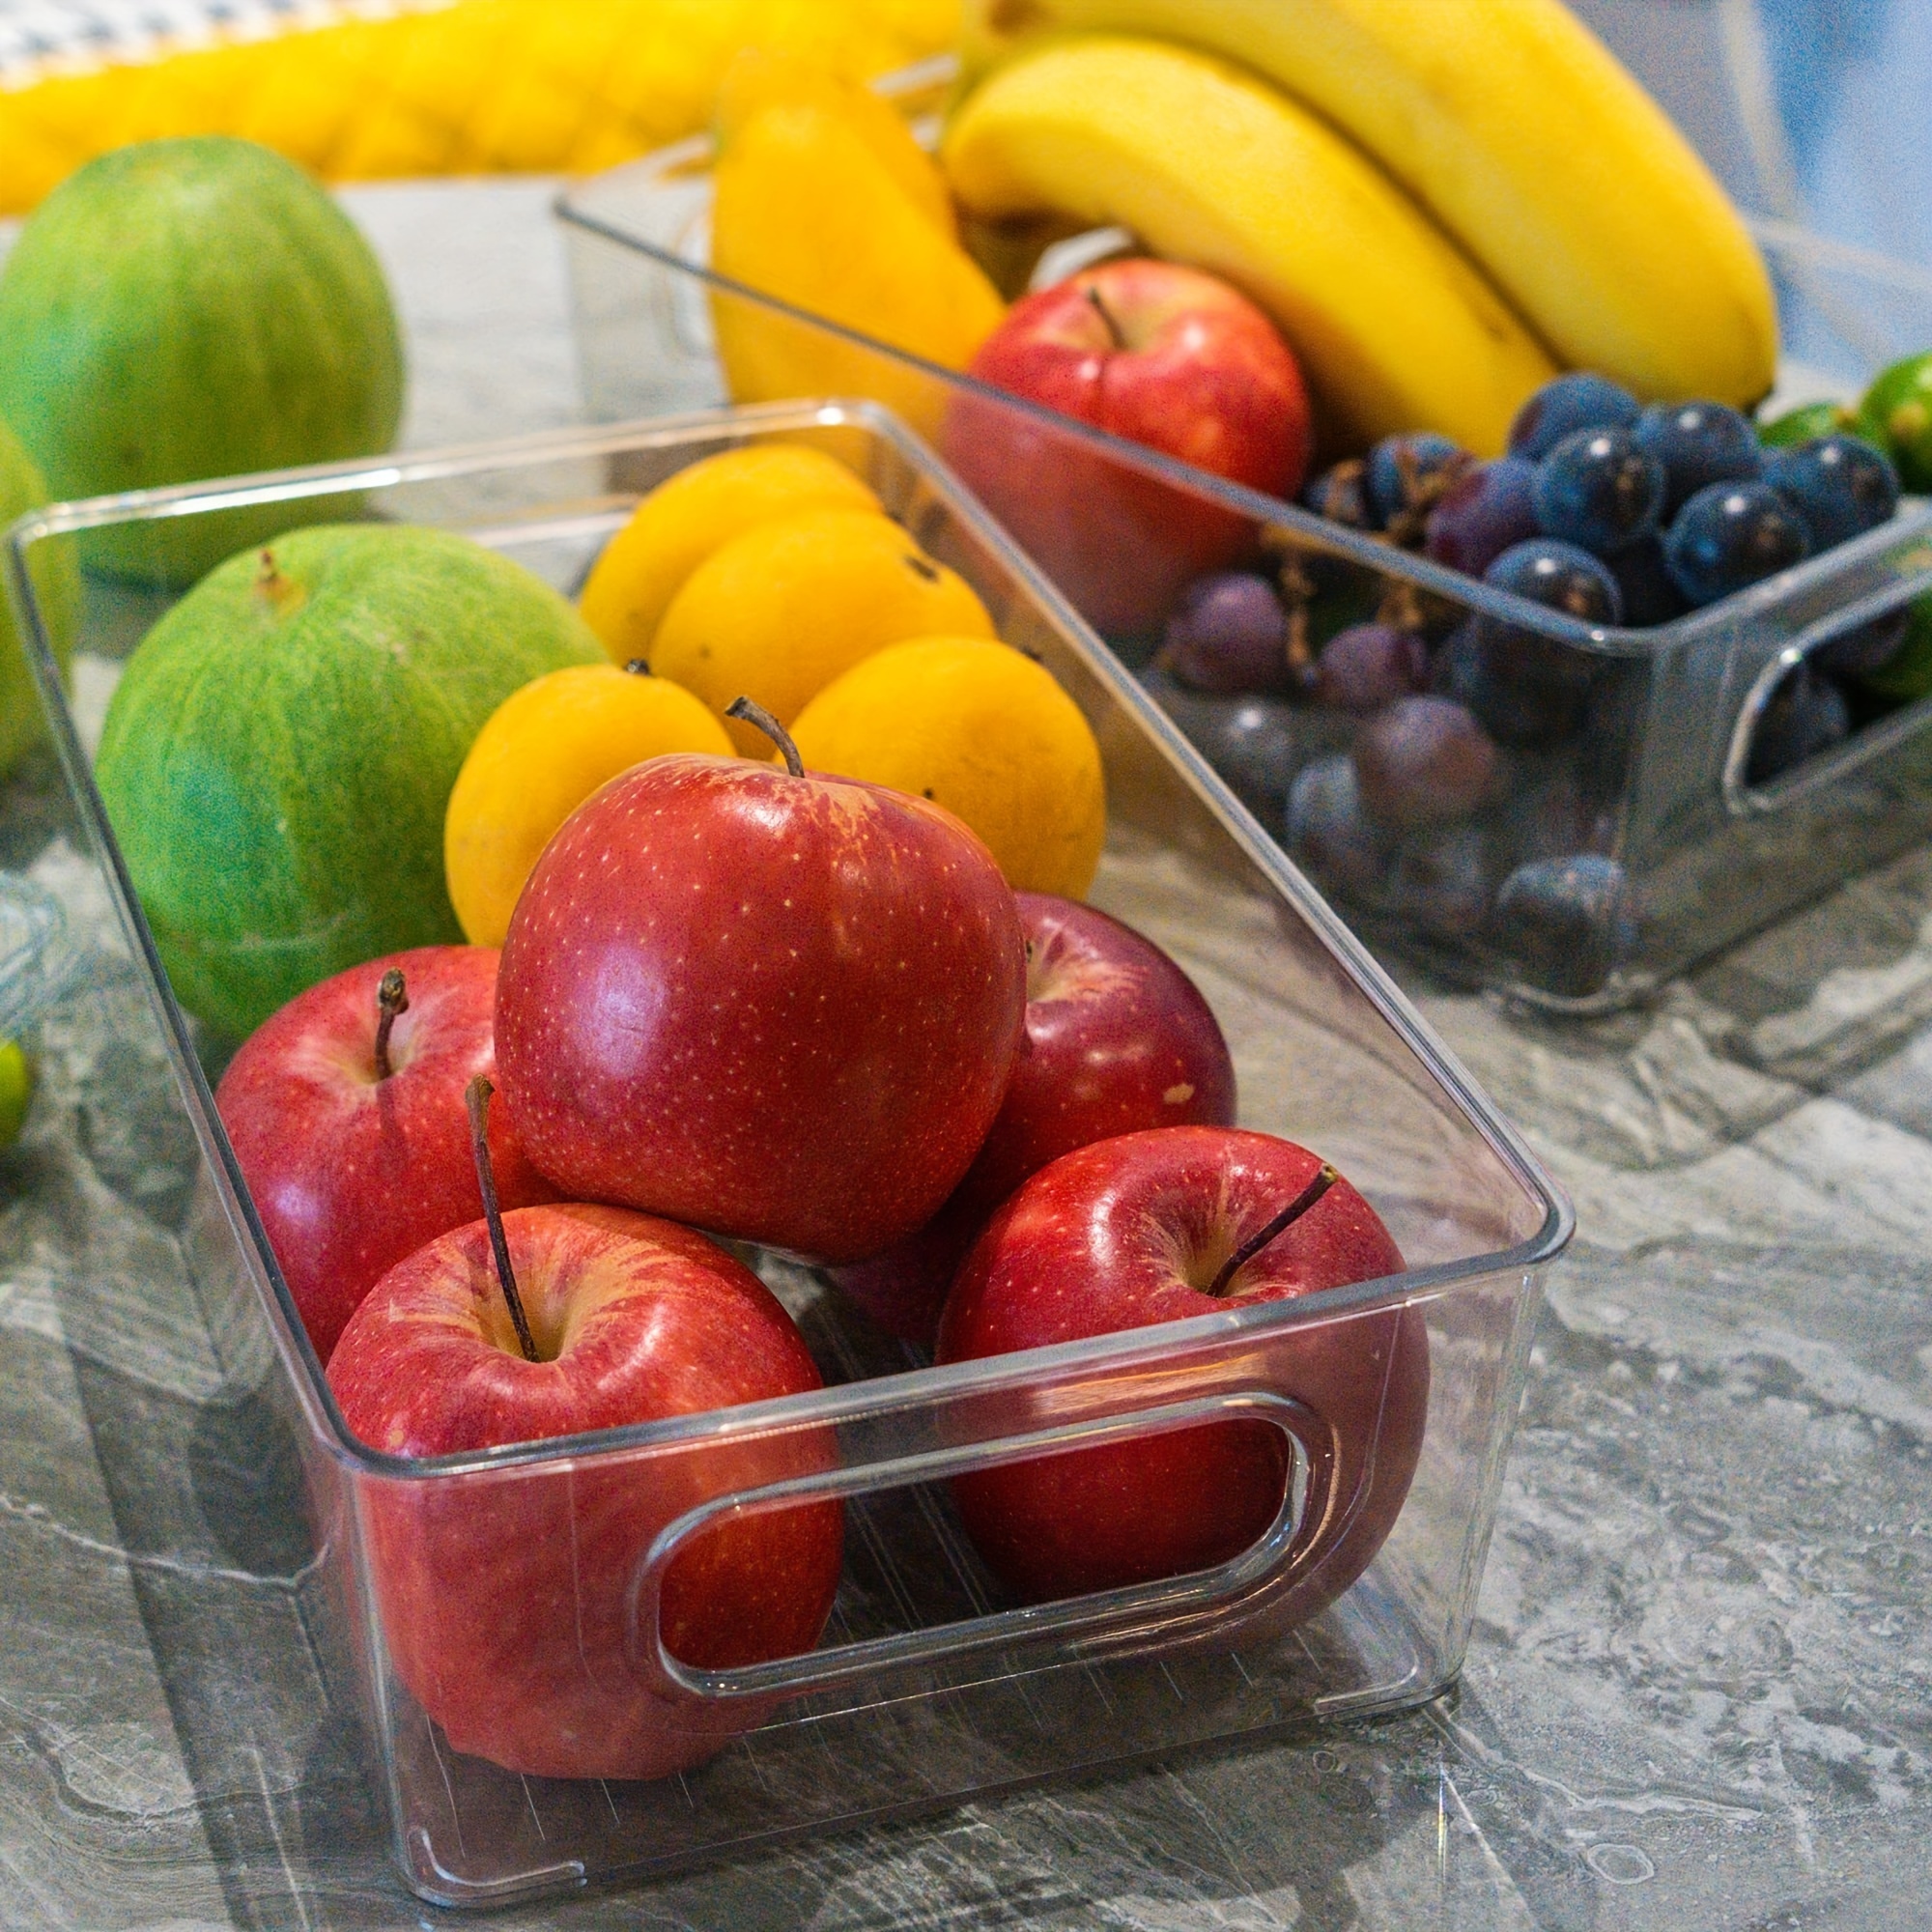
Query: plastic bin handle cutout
[1106, 1620]
[1900, 577]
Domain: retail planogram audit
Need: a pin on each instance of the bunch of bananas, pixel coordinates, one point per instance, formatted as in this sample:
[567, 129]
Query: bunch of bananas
[1439, 200]
[368, 89]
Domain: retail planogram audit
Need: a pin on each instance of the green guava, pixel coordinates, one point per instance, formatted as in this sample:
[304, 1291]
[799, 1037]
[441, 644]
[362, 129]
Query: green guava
[186, 309]
[56, 589]
[279, 753]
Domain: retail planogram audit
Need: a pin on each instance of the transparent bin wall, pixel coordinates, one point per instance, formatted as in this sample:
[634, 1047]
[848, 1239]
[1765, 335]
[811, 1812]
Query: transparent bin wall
[1645, 769]
[929, 1684]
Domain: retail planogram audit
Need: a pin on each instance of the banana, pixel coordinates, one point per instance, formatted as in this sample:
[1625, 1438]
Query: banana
[1211, 166]
[1519, 130]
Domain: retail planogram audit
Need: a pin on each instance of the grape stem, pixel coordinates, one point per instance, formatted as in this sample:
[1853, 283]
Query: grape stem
[476, 1098]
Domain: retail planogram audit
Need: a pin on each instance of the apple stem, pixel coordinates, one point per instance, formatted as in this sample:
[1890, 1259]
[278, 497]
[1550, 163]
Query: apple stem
[1326, 1177]
[637, 666]
[392, 1000]
[754, 712]
[476, 1097]
[1115, 334]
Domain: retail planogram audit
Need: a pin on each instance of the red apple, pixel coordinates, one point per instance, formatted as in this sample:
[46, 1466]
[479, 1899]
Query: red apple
[1162, 356]
[507, 1600]
[781, 1006]
[1118, 1039]
[1132, 1231]
[350, 1169]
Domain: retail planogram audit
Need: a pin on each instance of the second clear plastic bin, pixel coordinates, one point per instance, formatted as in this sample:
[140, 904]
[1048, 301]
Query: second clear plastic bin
[928, 1685]
[1642, 763]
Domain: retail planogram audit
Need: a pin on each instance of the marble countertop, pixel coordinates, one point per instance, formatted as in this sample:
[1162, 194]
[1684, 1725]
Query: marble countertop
[1699, 1692]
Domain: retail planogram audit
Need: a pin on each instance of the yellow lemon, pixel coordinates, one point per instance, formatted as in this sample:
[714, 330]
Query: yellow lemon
[687, 517]
[985, 732]
[776, 614]
[542, 752]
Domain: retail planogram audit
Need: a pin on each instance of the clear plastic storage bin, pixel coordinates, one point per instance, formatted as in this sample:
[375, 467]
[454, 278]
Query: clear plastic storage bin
[1648, 775]
[928, 1686]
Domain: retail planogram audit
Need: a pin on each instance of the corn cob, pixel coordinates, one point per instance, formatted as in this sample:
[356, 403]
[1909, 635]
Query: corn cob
[441, 87]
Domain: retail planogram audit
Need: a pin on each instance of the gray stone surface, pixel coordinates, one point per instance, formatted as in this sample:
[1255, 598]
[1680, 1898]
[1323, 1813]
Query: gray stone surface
[1700, 1690]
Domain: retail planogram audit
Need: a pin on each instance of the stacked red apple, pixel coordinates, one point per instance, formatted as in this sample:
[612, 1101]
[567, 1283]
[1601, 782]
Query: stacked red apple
[1162, 356]
[803, 1011]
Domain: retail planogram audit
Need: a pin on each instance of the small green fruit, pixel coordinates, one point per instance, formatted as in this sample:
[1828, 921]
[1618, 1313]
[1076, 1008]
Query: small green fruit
[1906, 677]
[279, 753]
[186, 309]
[16, 1092]
[1899, 409]
[56, 585]
[1808, 424]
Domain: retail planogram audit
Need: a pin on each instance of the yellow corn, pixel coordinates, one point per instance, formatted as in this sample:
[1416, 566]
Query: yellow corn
[444, 87]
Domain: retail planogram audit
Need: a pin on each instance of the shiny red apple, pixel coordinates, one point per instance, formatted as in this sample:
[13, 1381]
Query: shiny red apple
[1162, 356]
[1118, 1039]
[1142, 1229]
[780, 1006]
[507, 1600]
[356, 1158]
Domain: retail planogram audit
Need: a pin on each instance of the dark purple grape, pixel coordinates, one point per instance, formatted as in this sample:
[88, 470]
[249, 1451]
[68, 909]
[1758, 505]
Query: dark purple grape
[1839, 485]
[1229, 634]
[1596, 489]
[1526, 692]
[1341, 494]
[1644, 582]
[1250, 741]
[1566, 404]
[1367, 666]
[1731, 535]
[1485, 512]
[1529, 690]
[1555, 818]
[1410, 472]
[1440, 881]
[1866, 650]
[1806, 715]
[1329, 832]
[1698, 444]
[1425, 760]
[1559, 576]
[1565, 922]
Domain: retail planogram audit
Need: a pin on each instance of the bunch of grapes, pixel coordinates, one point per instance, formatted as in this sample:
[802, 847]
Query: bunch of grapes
[1461, 773]
[1649, 514]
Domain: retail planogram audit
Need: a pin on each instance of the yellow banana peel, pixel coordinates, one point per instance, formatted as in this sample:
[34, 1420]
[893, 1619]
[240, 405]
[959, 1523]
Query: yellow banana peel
[1209, 165]
[1513, 125]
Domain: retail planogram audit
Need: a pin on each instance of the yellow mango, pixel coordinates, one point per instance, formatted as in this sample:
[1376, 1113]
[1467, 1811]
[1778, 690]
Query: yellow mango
[804, 209]
[776, 614]
[976, 726]
[541, 754]
[760, 78]
[691, 515]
